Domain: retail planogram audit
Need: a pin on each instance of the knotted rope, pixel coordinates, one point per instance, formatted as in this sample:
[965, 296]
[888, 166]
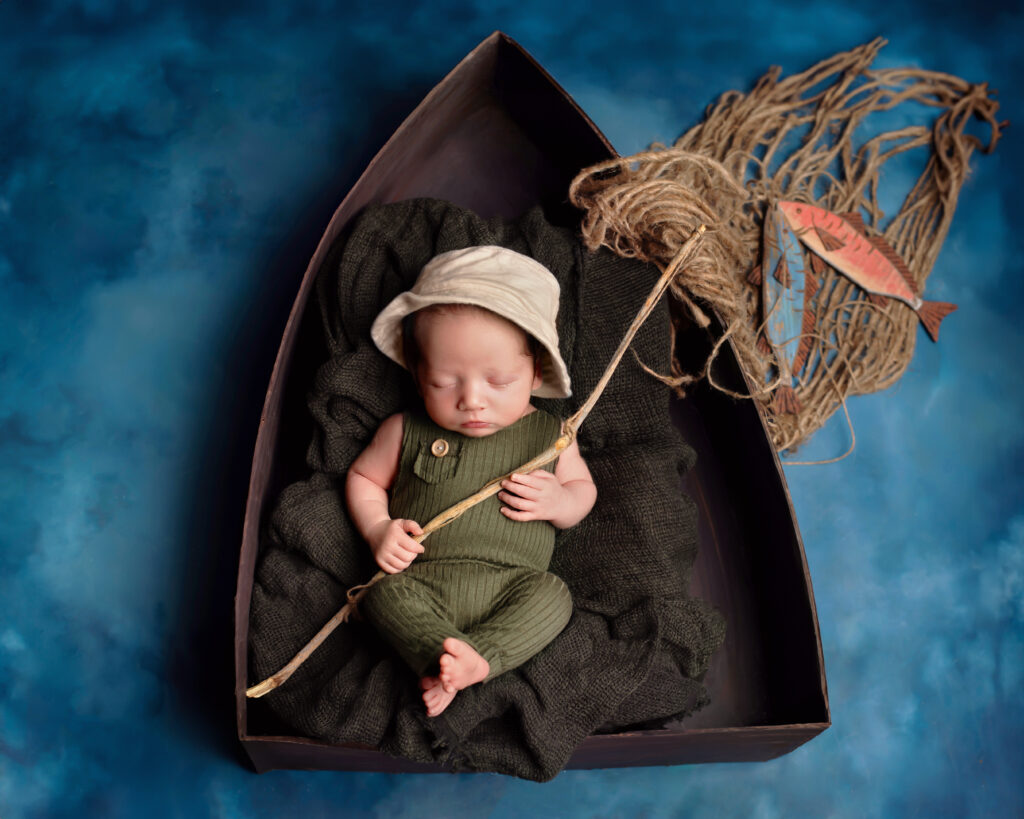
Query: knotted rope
[793, 139]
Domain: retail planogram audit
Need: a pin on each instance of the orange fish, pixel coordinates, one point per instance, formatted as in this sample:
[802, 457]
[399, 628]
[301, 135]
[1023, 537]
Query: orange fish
[868, 261]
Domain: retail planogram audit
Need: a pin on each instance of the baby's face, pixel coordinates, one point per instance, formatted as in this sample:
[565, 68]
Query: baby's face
[475, 372]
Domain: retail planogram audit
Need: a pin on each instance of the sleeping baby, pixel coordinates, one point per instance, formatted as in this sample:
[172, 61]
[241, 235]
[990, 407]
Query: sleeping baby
[477, 333]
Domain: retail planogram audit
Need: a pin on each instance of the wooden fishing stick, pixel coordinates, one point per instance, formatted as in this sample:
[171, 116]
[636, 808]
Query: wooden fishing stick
[569, 430]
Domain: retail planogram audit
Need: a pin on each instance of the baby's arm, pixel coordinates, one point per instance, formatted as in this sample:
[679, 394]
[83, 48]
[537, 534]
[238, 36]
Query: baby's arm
[366, 492]
[564, 498]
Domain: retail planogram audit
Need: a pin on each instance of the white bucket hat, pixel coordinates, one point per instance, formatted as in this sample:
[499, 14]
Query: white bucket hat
[510, 284]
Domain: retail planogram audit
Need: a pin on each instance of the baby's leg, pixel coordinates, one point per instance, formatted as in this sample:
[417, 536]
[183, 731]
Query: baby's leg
[530, 614]
[413, 617]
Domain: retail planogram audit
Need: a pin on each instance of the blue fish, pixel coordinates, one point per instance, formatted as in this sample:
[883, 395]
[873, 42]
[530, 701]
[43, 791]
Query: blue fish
[788, 288]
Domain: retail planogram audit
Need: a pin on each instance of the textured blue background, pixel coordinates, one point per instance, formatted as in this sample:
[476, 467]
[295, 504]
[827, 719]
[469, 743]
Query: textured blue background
[165, 173]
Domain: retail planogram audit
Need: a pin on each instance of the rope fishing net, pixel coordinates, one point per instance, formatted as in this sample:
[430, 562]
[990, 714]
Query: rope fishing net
[794, 139]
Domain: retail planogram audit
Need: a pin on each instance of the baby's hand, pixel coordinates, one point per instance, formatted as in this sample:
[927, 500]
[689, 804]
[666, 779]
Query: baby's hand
[392, 546]
[536, 496]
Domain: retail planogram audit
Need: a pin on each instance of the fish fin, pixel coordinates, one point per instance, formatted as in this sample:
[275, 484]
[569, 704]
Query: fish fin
[818, 264]
[754, 277]
[810, 284]
[785, 402]
[890, 253]
[828, 241]
[932, 313]
[856, 220]
[877, 300]
[763, 346]
[803, 352]
[782, 273]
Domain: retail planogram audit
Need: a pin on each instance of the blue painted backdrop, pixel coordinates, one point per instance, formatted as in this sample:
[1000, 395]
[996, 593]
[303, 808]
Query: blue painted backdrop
[165, 173]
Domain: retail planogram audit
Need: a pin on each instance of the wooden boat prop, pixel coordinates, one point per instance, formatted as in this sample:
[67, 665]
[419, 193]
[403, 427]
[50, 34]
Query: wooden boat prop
[498, 135]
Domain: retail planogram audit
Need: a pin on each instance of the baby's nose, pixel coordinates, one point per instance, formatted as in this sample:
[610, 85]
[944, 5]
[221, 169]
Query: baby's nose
[471, 397]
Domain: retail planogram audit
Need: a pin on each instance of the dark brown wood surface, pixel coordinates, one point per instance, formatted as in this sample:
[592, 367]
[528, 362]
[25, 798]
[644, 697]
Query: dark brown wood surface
[627, 750]
[499, 135]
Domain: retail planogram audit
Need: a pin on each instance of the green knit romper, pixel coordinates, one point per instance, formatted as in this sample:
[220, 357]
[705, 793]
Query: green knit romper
[483, 578]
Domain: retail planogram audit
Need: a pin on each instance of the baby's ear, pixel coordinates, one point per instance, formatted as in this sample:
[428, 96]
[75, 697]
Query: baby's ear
[538, 373]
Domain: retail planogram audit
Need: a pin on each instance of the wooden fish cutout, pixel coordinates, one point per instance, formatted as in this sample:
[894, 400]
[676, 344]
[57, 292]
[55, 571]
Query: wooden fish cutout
[868, 261]
[788, 289]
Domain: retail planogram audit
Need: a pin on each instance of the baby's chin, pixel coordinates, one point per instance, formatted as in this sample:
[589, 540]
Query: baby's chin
[478, 430]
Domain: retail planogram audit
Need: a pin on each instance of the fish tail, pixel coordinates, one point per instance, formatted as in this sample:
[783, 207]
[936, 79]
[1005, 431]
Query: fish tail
[932, 313]
[785, 402]
[763, 347]
[754, 276]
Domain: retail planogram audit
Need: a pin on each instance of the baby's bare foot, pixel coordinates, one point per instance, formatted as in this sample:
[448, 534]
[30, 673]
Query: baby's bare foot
[461, 666]
[435, 697]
